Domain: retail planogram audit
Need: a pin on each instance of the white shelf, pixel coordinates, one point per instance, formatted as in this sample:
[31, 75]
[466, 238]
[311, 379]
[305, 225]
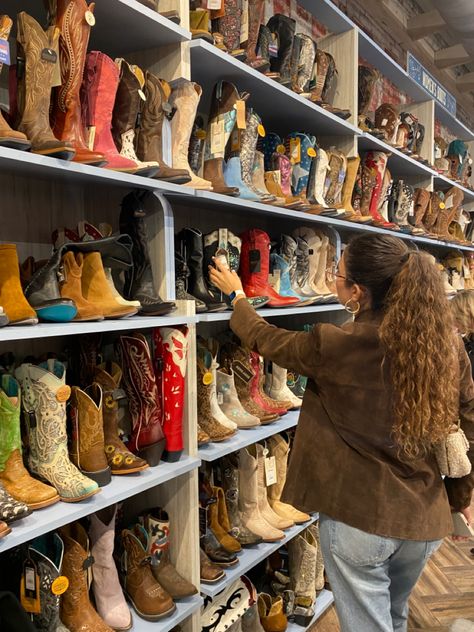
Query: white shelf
[270, 99]
[243, 438]
[119, 489]
[329, 15]
[324, 600]
[27, 164]
[272, 312]
[400, 164]
[184, 609]
[444, 183]
[140, 28]
[51, 330]
[452, 123]
[251, 556]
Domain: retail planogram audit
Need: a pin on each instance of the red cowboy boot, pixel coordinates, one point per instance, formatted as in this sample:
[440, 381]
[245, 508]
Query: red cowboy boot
[260, 397]
[147, 439]
[171, 347]
[255, 268]
[373, 172]
[101, 79]
[74, 19]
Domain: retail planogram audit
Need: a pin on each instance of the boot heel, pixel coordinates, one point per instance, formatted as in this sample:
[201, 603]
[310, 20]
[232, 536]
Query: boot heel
[102, 477]
[152, 453]
[171, 457]
[304, 619]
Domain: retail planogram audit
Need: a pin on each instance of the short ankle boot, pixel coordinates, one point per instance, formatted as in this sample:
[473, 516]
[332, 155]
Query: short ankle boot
[139, 280]
[182, 274]
[13, 475]
[8, 136]
[68, 18]
[70, 287]
[35, 77]
[77, 612]
[124, 118]
[147, 439]
[12, 299]
[249, 499]
[155, 114]
[101, 79]
[157, 525]
[45, 394]
[121, 460]
[280, 449]
[185, 99]
[284, 28]
[276, 386]
[272, 616]
[108, 595]
[171, 352]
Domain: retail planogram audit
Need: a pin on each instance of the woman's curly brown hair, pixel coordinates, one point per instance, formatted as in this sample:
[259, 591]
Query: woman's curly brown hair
[418, 334]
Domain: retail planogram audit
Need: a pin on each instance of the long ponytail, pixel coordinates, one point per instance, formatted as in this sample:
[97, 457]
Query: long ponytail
[418, 335]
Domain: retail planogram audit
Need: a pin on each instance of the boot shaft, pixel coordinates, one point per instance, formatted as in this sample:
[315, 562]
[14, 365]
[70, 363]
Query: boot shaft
[152, 114]
[101, 79]
[184, 99]
[255, 256]
[88, 427]
[284, 28]
[10, 407]
[127, 103]
[47, 552]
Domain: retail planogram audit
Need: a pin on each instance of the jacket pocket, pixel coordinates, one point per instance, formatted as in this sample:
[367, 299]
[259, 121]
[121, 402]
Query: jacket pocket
[358, 547]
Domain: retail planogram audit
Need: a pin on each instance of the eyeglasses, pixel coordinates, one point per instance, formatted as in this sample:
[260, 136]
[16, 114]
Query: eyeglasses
[332, 274]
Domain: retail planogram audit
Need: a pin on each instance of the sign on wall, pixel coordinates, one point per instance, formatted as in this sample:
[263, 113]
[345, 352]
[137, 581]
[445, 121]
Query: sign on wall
[429, 83]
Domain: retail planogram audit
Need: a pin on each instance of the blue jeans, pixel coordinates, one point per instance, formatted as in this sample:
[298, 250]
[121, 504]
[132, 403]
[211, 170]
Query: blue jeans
[371, 576]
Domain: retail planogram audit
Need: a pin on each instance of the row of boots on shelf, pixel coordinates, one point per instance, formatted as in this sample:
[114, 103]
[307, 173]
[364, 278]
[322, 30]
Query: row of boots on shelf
[234, 392]
[291, 272]
[244, 507]
[275, 49]
[137, 568]
[78, 451]
[92, 274]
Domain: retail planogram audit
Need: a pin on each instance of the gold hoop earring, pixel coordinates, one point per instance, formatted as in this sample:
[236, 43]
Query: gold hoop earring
[353, 310]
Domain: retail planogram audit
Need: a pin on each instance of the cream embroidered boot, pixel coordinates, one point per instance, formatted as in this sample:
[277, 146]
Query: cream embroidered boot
[320, 283]
[319, 581]
[279, 448]
[45, 394]
[302, 555]
[248, 500]
[276, 386]
[230, 403]
[185, 98]
[216, 410]
[264, 507]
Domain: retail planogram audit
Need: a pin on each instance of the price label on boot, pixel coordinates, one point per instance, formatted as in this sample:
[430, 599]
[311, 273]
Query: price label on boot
[207, 378]
[214, 5]
[217, 136]
[311, 152]
[270, 471]
[90, 18]
[4, 52]
[60, 585]
[240, 108]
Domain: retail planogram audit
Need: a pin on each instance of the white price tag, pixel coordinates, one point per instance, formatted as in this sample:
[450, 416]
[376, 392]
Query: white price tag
[270, 471]
[217, 136]
[220, 398]
[214, 4]
[384, 122]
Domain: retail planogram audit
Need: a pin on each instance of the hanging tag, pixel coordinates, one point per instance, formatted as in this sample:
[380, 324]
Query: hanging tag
[141, 94]
[29, 588]
[261, 131]
[295, 150]
[235, 140]
[270, 471]
[384, 122]
[60, 585]
[220, 398]
[240, 107]
[207, 378]
[56, 79]
[214, 5]
[4, 52]
[448, 203]
[90, 18]
[90, 136]
[311, 152]
[241, 371]
[217, 136]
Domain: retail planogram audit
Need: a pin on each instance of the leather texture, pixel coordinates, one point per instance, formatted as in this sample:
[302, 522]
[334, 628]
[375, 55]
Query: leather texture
[71, 287]
[12, 298]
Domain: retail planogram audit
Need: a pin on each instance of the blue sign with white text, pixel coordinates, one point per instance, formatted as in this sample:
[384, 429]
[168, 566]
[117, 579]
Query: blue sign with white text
[429, 83]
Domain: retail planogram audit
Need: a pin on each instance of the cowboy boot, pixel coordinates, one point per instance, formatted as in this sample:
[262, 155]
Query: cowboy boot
[271, 614]
[304, 67]
[284, 28]
[157, 526]
[221, 243]
[124, 118]
[314, 530]
[77, 612]
[421, 205]
[230, 485]
[262, 399]
[432, 212]
[99, 87]
[147, 439]
[266, 511]
[12, 299]
[208, 358]
[374, 166]
[45, 394]
[447, 212]
[35, 75]
[248, 146]
[185, 99]
[367, 80]
[108, 595]
[280, 449]
[319, 282]
[87, 450]
[74, 20]
[255, 267]
[256, 10]
[227, 542]
[121, 460]
[139, 281]
[210, 573]
[8, 136]
[249, 499]
[148, 598]
[303, 280]
[13, 475]
[233, 179]
[277, 388]
[70, 287]
[154, 115]
[182, 273]
[229, 401]
[280, 268]
[47, 552]
[302, 556]
[258, 181]
[189, 243]
[170, 353]
[301, 150]
[348, 191]
[387, 121]
[229, 26]
[405, 206]
[318, 173]
[338, 170]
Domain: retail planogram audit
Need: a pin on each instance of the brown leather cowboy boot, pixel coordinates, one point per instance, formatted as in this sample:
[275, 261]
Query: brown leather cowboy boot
[35, 75]
[149, 137]
[8, 136]
[74, 19]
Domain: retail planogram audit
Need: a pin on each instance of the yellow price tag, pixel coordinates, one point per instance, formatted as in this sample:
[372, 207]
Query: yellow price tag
[311, 152]
[207, 378]
[261, 131]
[281, 149]
[60, 585]
[442, 205]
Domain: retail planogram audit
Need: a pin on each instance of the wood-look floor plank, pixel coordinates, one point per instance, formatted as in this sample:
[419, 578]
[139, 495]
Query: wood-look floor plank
[461, 577]
[449, 608]
[434, 581]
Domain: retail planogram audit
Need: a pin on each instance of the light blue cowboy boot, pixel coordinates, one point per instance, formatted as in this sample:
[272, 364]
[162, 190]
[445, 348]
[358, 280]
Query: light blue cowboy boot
[233, 178]
[278, 263]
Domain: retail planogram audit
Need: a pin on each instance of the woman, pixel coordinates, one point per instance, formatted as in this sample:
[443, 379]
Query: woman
[462, 305]
[382, 390]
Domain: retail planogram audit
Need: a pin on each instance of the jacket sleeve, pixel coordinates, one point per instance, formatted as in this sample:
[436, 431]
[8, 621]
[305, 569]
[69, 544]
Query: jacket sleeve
[460, 489]
[297, 350]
